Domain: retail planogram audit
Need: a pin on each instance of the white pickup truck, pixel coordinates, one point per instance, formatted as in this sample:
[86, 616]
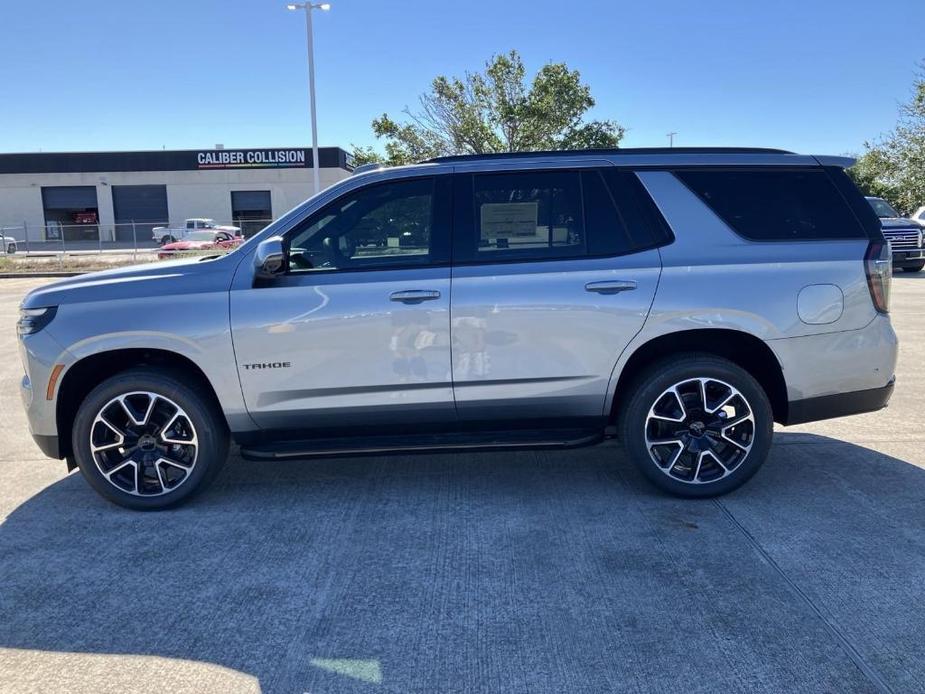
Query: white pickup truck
[165, 235]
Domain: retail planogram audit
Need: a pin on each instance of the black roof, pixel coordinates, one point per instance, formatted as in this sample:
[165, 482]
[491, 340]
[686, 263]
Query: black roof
[610, 152]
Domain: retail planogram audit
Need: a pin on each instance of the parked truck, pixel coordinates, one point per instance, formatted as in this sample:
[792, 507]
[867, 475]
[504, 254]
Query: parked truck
[165, 235]
[905, 236]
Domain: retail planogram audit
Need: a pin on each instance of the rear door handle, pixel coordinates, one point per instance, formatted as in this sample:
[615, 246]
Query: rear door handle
[414, 296]
[611, 286]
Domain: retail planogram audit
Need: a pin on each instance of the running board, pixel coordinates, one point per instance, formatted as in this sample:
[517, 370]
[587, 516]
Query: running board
[429, 443]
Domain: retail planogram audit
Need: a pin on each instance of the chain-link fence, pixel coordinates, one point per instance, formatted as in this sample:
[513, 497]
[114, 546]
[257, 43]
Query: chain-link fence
[126, 238]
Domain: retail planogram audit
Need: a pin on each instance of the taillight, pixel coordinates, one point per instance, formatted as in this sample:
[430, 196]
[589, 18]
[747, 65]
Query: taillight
[878, 265]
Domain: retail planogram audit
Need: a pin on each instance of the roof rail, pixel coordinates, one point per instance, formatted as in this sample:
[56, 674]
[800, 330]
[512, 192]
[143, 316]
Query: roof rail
[363, 168]
[609, 152]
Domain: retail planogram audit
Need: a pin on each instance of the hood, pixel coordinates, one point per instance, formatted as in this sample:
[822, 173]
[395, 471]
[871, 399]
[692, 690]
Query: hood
[185, 245]
[187, 276]
[899, 223]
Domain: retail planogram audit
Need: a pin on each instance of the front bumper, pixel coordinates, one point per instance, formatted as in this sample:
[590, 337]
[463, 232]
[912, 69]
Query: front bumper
[48, 445]
[900, 257]
[839, 405]
[40, 353]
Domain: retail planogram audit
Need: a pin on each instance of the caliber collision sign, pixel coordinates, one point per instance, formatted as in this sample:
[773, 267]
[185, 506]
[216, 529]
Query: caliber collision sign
[250, 158]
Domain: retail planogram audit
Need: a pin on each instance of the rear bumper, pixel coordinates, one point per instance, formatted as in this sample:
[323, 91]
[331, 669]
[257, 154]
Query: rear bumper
[838, 405]
[836, 374]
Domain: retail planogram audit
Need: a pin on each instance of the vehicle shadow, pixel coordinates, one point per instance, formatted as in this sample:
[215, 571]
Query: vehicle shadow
[530, 571]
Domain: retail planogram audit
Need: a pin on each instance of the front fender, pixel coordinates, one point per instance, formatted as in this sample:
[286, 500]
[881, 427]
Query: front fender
[194, 326]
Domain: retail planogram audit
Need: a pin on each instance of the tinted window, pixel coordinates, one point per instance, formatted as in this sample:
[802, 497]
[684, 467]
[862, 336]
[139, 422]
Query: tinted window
[619, 215]
[775, 205]
[378, 226]
[882, 208]
[528, 215]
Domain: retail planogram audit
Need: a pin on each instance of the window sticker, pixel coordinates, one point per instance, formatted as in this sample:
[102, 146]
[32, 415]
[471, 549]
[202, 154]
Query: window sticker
[509, 220]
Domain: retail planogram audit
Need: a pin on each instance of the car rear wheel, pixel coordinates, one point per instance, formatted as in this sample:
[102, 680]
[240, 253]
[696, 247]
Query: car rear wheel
[914, 268]
[167, 239]
[145, 440]
[11, 248]
[696, 425]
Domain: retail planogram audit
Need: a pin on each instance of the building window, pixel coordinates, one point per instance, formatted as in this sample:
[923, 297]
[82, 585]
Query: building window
[137, 210]
[251, 210]
[71, 213]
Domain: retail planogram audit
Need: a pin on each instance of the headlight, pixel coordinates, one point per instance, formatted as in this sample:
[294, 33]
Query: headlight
[31, 320]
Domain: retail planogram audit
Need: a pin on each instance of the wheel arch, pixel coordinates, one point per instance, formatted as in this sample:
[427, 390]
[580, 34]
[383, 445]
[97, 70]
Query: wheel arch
[84, 375]
[741, 348]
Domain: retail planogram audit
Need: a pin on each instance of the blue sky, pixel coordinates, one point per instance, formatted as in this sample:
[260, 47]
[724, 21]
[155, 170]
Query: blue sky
[819, 76]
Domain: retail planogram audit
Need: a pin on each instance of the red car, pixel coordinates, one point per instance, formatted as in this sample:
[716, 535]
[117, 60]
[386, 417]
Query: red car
[203, 240]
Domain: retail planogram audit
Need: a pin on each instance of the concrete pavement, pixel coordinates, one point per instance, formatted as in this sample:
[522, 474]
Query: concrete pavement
[496, 572]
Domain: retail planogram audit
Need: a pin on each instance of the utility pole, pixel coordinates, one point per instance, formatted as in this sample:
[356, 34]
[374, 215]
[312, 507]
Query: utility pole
[670, 137]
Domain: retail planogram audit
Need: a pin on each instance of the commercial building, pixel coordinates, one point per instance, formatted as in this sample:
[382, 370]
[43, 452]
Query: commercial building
[100, 197]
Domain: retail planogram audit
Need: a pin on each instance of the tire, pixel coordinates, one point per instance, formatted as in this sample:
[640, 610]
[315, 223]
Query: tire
[728, 454]
[177, 439]
[11, 248]
[167, 239]
[914, 268]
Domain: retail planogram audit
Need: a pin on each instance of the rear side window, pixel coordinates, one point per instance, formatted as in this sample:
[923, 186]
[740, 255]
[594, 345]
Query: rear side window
[776, 205]
[531, 214]
[545, 215]
[620, 215]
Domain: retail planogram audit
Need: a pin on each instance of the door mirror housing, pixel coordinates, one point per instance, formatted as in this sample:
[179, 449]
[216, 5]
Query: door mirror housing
[270, 258]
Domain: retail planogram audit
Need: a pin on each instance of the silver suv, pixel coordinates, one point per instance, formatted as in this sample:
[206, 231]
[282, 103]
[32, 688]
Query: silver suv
[683, 300]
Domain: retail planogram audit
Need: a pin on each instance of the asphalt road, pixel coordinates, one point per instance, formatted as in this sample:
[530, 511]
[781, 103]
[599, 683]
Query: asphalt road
[524, 572]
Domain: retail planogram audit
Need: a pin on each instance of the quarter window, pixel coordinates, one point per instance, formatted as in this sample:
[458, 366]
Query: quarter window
[772, 205]
[383, 225]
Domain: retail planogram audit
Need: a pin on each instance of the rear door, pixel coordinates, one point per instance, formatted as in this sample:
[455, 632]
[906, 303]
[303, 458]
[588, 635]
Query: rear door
[554, 273]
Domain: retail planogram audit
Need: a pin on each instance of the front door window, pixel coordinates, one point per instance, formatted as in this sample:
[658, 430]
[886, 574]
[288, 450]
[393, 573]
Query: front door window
[380, 226]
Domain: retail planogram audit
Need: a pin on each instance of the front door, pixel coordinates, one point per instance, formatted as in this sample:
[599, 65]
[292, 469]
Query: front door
[554, 273]
[357, 333]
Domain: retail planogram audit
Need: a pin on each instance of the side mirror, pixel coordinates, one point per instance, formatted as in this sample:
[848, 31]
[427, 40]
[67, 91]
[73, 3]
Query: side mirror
[270, 258]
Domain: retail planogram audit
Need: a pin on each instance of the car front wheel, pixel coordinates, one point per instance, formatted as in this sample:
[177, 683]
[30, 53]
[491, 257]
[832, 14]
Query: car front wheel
[696, 425]
[145, 440]
[914, 268]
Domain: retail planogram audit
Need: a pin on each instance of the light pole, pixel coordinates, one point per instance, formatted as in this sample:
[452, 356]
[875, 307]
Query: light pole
[670, 137]
[308, 7]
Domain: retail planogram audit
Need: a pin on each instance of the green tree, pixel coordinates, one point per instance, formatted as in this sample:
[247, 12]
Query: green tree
[871, 175]
[894, 168]
[495, 110]
[365, 155]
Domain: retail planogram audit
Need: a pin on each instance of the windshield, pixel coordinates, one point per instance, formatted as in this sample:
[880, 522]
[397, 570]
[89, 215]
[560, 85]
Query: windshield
[200, 236]
[882, 208]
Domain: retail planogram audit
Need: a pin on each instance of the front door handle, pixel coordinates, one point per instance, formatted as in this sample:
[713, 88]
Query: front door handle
[414, 296]
[611, 286]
